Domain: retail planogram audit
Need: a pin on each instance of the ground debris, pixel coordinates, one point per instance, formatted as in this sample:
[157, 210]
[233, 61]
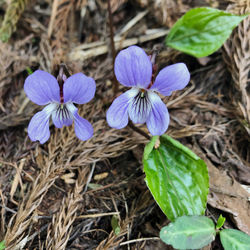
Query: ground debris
[64, 194]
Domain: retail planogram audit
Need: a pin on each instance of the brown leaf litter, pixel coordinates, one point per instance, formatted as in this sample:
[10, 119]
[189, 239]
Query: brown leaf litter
[63, 194]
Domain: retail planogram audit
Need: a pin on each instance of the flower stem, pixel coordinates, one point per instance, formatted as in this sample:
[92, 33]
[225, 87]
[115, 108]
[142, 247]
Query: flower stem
[138, 130]
[115, 86]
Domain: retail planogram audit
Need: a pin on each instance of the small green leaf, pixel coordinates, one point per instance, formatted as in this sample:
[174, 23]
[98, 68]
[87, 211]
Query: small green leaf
[4, 37]
[149, 147]
[232, 239]
[177, 178]
[189, 232]
[29, 70]
[115, 224]
[220, 222]
[2, 245]
[202, 31]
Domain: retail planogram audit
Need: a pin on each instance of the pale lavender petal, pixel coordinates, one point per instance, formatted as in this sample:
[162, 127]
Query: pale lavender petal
[158, 119]
[171, 78]
[42, 88]
[139, 107]
[38, 129]
[83, 128]
[79, 89]
[117, 114]
[133, 67]
[63, 115]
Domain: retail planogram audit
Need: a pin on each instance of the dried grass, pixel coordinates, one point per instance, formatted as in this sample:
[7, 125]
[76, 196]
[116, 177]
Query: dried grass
[32, 174]
[11, 17]
[237, 57]
[62, 222]
[61, 10]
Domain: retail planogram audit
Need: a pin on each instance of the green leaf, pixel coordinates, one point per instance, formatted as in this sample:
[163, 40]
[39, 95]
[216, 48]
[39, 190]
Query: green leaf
[115, 224]
[232, 239]
[177, 178]
[2, 245]
[202, 31]
[149, 147]
[189, 232]
[29, 70]
[220, 222]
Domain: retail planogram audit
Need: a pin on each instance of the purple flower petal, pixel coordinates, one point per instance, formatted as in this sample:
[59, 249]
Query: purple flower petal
[133, 67]
[117, 114]
[158, 119]
[139, 107]
[42, 88]
[171, 78]
[63, 115]
[83, 128]
[38, 129]
[79, 89]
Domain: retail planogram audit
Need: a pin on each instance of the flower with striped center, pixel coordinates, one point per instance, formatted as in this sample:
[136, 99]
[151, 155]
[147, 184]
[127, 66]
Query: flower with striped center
[141, 103]
[43, 89]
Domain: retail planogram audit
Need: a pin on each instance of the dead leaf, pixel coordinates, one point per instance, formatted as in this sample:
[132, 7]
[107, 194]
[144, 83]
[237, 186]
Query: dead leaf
[228, 195]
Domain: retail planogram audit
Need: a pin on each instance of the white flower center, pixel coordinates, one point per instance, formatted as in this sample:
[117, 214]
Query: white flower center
[62, 112]
[140, 107]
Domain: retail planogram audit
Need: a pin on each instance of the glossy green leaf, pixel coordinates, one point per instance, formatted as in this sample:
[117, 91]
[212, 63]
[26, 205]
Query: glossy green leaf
[189, 232]
[220, 222]
[177, 178]
[202, 31]
[232, 239]
[2, 245]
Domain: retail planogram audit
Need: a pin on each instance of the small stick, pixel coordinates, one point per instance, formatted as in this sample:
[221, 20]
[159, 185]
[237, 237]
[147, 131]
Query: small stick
[138, 130]
[96, 215]
[115, 86]
[86, 51]
[138, 240]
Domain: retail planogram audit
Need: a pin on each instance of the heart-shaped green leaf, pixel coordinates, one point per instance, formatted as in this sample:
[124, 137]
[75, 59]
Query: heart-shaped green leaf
[202, 31]
[177, 178]
[232, 239]
[189, 232]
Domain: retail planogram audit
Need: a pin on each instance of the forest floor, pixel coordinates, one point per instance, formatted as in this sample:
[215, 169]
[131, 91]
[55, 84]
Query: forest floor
[69, 194]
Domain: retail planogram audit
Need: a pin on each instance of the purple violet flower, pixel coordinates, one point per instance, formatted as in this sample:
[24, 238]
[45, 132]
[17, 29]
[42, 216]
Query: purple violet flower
[141, 103]
[43, 89]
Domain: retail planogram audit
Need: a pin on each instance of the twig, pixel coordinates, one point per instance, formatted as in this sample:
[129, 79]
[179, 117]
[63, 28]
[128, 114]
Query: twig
[52, 18]
[89, 177]
[138, 130]
[138, 240]
[86, 51]
[132, 22]
[115, 86]
[96, 215]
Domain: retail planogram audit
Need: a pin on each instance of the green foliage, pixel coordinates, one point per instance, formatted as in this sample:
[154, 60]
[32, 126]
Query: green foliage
[150, 146]
[220, 222]
[2, 245]
[194, 232]
[202, 31]
[189, 232]
[29, 70]
[11, 17]
[177, 178]
[232, 239]
[115, 224]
